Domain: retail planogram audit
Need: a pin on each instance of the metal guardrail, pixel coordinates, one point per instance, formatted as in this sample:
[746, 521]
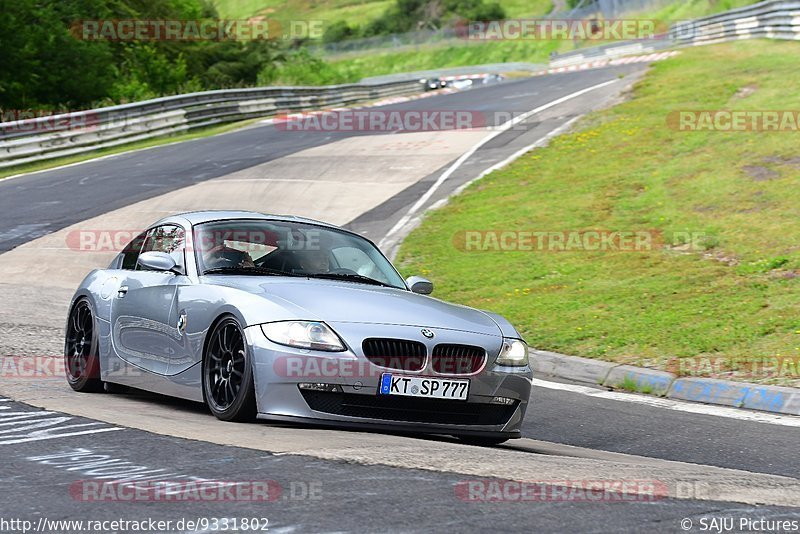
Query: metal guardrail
[775, 19]
[611, 51]
[47, 137]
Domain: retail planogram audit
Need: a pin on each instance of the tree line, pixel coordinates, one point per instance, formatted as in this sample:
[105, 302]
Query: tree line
[44, 65]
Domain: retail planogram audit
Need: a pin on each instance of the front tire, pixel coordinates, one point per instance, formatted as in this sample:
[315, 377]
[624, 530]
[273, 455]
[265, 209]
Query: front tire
[81, 360]
[228, 373]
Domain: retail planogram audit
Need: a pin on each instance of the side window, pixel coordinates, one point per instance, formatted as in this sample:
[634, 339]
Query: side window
[167, 238]
[131, 252]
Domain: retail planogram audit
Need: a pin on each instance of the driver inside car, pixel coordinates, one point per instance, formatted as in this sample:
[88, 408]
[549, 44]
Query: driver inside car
[222, 255]
[313, 260]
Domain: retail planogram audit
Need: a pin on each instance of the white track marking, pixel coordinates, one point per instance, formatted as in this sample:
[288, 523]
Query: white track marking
[499, 165]
[675, 405]
[40, 435]
[539, 142]
[464, 157]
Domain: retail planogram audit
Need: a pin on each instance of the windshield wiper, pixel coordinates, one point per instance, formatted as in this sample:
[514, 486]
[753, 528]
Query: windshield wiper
[260, 271]
[350, 277]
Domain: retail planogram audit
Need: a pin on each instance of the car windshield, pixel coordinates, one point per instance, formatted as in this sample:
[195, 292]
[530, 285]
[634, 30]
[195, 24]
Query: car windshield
[262, 247]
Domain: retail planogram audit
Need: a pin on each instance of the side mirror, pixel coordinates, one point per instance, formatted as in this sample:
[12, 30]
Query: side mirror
[157, 261]
[418, 284]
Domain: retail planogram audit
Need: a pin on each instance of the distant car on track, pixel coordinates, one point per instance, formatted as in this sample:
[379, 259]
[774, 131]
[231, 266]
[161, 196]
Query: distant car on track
[432, 84]
[493, 78]
[289, 319]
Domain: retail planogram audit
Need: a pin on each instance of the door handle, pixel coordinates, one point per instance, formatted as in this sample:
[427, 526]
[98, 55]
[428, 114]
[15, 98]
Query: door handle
[122, 291]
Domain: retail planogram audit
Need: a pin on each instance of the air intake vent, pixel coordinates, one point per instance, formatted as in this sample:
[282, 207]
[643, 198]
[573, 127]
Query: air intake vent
[401, 354]
[405, 409]
[458, 359]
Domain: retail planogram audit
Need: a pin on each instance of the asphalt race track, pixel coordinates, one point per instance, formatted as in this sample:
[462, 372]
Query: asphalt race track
[315, 495]
[724, 464]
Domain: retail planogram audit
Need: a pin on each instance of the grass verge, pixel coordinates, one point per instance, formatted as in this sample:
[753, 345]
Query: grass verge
[733, 292]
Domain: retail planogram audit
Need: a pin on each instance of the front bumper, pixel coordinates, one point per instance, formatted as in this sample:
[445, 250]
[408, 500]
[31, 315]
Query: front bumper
[278, 370]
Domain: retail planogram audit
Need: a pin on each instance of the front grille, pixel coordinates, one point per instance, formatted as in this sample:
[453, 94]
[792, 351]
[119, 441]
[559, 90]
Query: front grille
[402, 354]
[410, 410]
[458, 359]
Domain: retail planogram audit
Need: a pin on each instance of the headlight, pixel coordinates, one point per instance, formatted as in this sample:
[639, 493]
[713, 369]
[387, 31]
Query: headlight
[514, 353]
[304, 335]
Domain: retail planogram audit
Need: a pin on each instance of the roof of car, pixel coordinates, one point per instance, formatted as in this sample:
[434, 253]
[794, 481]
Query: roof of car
[198, 217]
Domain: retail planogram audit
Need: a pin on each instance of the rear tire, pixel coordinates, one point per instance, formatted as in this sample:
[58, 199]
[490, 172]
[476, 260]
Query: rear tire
[81, 359]
[228, 373]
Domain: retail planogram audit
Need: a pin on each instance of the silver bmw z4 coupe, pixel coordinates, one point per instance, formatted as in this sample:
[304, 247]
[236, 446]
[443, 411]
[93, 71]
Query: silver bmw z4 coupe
[289, 319]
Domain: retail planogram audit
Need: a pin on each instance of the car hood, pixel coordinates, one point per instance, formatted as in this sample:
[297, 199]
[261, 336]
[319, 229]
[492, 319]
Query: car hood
[335, 301]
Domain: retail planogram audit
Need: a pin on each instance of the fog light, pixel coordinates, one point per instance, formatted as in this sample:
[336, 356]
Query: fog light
[318, 386]
[502, 400]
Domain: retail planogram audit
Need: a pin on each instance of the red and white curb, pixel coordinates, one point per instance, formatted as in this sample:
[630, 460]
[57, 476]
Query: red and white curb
[464, 77]
[648, 58]
[643, 59]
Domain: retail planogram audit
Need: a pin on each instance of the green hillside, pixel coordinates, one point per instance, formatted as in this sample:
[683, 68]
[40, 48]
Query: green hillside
[352, 11]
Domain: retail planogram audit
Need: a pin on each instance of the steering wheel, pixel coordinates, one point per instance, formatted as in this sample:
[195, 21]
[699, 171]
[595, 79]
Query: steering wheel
[225, 257]
[219, 262]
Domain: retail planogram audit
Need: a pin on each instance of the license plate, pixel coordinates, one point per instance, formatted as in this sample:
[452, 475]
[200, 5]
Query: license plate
[423, 386]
